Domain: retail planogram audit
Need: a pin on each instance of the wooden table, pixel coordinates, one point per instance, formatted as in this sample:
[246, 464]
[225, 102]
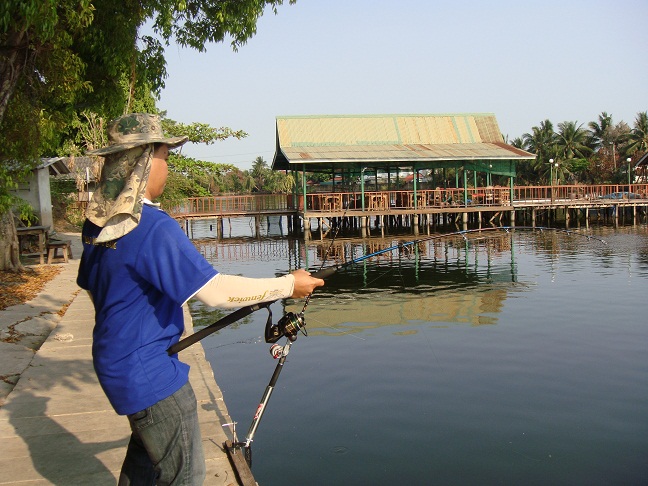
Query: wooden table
[41, 232]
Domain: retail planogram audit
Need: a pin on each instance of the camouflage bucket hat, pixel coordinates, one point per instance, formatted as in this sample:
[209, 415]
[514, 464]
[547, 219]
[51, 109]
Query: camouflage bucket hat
[135, 129]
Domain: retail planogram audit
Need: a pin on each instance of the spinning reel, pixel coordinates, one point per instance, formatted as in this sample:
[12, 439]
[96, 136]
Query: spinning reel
[289, 325]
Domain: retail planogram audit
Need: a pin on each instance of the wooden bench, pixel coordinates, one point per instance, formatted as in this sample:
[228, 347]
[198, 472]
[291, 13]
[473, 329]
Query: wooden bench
[52, 251]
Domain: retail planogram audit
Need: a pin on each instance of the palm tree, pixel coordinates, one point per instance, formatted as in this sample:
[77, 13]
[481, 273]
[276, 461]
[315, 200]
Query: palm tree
[638, 139]
[571, 148]
[541, 141]
[517, 142]
[571, 141]
[600, 132]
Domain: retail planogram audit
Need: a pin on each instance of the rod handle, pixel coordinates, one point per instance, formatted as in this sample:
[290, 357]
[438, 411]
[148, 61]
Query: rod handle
[324, 273]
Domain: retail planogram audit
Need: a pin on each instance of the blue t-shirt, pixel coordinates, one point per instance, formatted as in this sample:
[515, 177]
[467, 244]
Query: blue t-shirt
[138, 284]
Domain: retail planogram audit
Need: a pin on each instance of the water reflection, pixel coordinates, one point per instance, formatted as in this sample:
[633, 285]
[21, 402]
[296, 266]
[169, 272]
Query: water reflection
[425, 282]
[509, 359]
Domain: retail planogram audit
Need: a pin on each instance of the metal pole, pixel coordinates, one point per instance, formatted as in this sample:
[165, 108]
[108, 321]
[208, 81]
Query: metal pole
[551, 163]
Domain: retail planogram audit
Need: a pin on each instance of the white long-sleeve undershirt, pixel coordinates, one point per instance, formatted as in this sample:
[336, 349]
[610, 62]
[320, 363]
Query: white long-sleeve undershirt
[232, 291]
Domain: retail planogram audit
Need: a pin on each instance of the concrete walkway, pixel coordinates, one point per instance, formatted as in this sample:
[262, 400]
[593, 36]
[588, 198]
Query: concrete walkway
[56, 425]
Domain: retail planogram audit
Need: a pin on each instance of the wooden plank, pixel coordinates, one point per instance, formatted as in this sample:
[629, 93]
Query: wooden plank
[239, 464]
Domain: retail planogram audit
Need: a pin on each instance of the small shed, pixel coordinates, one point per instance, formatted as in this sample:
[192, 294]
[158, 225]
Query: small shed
[36, 190]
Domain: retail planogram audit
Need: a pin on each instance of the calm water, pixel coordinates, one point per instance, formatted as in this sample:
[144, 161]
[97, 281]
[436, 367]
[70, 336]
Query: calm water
[511, 359]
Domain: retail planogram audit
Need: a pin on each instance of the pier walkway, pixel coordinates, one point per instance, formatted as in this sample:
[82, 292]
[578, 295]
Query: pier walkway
[56, 425]
[425, 205]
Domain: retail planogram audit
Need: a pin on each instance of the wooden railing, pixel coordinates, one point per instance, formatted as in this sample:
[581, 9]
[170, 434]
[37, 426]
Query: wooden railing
[339, 202]
[233, 204]
[600, 192]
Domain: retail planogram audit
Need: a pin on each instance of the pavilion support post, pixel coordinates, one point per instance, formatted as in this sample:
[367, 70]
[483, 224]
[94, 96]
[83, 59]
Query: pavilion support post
[362, 189]
[415, 184]
[304, 183]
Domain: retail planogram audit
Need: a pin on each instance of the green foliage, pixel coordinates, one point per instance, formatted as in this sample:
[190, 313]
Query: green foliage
[24, 212]
[638, 138]
[62, 189]
[269, 181]
[596, 155]
[578, 166]
[200, 132]
[63, 59]
[571, 141]
[196, 23]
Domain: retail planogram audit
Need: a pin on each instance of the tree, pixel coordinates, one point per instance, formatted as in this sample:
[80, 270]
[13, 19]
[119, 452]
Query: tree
[260, 172]
[571, 141]
[60, 58]
[541, 141]
[600, 132]
[638, 138]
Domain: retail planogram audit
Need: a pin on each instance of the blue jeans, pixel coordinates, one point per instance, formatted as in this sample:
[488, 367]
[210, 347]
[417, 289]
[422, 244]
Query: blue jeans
[165, 445]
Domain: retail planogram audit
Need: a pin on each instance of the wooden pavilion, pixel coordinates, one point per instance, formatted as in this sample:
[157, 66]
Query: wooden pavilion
[358, 147]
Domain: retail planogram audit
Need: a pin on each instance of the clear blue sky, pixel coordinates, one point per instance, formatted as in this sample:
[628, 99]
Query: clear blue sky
[523, 60]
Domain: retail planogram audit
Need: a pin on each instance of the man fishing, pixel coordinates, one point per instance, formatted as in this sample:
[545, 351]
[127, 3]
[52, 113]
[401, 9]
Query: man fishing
[140, 269]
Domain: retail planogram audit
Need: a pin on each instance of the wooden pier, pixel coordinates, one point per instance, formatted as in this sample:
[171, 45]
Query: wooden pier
[430, 207]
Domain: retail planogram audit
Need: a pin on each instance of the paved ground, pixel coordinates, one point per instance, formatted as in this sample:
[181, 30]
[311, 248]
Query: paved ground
[56, 425]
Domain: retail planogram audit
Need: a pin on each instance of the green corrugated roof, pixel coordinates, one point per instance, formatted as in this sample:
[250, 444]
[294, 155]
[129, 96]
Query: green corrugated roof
[388, 139]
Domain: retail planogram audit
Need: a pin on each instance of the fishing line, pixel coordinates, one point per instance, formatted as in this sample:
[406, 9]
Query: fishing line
[339, 331]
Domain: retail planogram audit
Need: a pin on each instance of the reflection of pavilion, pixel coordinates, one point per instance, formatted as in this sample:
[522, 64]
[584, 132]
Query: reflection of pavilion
[434, 288]
[343, 250]
[466, 306]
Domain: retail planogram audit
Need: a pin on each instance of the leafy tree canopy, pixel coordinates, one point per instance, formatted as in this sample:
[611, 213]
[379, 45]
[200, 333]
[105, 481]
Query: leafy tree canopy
[61, 58]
